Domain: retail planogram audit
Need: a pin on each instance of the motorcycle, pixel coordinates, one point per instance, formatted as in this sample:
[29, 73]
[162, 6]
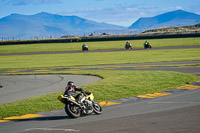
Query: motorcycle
[128, 46]
[75, 109]
[85, 48]
[147, 45]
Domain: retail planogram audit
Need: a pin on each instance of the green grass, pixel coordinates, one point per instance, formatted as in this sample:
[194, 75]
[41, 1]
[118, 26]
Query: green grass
[113, 67]
[28, 48]
[79, 59]
[114, 85]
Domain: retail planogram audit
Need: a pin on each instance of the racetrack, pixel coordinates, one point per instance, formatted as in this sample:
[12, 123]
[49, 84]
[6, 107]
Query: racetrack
[103, 50]
[178, 112]
[174, 113]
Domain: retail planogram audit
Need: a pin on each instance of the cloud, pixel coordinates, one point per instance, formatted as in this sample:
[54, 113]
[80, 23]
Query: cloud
[195, 8]
[28, 2]
[179, 8]
[125, 15]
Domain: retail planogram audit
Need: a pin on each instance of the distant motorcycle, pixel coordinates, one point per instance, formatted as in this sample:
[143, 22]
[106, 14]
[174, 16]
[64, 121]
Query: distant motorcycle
[147, 45]
[75, 109]
[128, 45]
[85, 48]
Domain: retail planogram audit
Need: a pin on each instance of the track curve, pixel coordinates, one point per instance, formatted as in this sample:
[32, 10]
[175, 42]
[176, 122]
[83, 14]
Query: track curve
[18, 87]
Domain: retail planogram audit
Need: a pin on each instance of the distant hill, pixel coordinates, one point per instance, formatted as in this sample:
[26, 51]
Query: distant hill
[189, 29]
[45, 25]
[169, 19]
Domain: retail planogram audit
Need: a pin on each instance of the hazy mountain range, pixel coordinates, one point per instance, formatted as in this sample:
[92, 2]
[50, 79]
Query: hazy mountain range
[45, 24]
[169, 19]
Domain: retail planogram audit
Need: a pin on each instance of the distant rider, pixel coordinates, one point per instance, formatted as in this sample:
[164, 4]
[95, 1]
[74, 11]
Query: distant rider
[84, 47]
[128, 45]
[146, 43]
[71, 90]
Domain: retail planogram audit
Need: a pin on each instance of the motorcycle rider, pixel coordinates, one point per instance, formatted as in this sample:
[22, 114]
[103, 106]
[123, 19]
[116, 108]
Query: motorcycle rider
[128, 45]
[146, 44]
[84, 47]
[71, 90]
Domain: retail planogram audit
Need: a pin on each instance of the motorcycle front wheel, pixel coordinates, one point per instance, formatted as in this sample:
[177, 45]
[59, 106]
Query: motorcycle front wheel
[97, 108]
[72, 110]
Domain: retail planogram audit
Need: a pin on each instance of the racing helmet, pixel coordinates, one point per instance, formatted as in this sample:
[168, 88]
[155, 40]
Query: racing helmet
[71, 83]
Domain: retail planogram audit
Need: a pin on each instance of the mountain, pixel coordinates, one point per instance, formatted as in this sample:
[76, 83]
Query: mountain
[45, 25]
[169, 19]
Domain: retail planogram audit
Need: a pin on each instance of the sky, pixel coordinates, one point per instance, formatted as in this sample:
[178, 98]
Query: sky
[118, 12]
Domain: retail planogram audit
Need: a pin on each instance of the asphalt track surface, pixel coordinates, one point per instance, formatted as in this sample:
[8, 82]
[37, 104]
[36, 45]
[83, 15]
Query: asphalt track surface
[18, 87]
[176, 113]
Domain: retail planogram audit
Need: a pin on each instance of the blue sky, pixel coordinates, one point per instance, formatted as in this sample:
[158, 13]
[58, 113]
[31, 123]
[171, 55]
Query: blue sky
[119, 12]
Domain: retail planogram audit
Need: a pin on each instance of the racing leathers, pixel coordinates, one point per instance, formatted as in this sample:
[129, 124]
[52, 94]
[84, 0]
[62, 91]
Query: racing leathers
[71, 90]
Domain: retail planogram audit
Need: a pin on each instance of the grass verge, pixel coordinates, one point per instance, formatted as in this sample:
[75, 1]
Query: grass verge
[81, 59]
[76, 46]
[114, 85]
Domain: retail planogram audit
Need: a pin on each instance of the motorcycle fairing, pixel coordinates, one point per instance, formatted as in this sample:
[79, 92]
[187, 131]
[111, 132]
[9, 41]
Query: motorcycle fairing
[66, 98]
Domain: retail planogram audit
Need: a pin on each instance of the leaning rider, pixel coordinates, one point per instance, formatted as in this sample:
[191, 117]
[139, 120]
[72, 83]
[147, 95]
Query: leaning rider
[146, 43]
[71, 90]
[127, 45]
[83, 46]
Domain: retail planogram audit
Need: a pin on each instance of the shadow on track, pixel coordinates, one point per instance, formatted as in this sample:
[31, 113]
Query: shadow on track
[47, 118]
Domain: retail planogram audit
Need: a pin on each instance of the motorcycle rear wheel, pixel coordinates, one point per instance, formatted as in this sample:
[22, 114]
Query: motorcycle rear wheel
[72, 110]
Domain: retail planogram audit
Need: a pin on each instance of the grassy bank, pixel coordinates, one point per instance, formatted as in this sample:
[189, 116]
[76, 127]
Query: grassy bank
[79, 59]
[76, 46]
[115, 85]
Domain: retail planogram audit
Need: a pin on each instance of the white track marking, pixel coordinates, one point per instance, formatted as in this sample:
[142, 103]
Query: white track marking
[177, 102]
[53, 129]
